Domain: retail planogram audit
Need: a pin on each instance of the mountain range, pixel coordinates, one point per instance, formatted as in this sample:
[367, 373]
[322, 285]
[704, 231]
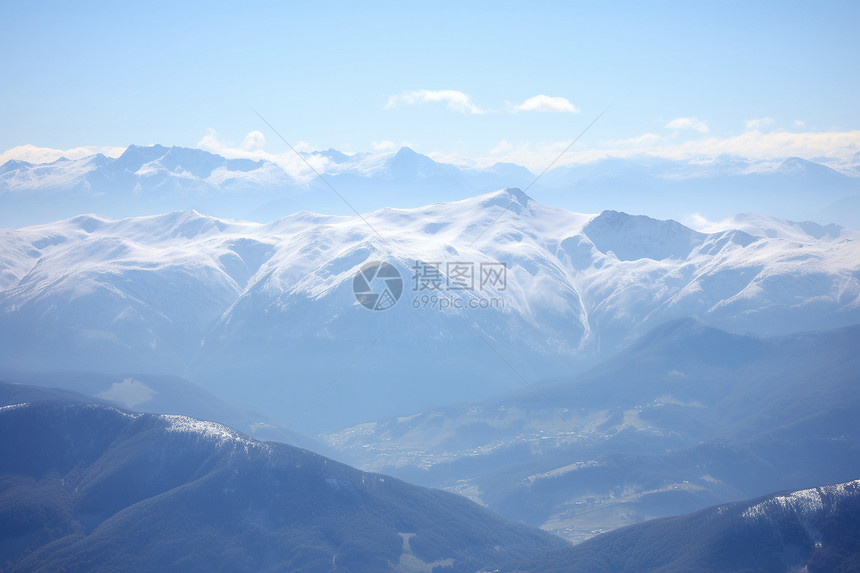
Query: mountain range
[687, 417]
[265, 314]
[577, 367]
[156, 179]
[85, 486]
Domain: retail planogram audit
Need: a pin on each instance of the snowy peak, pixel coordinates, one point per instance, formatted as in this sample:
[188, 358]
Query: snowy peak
[136, 156]
[172, 161]
[137, 169]
[13, 164]
[89, 223]
[511, 198]
[806, 504]
[796, 166]
[333, 155]
[198, 163]
[187, 224]
[772, 227]
[407, 156]
[632, 237]
[152, 229]
[407, 163]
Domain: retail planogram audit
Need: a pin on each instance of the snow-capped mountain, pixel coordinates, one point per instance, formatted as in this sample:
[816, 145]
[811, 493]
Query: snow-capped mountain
[143, 180]
[267, 313]
[147, 168]
[156, 179]
[811, 530]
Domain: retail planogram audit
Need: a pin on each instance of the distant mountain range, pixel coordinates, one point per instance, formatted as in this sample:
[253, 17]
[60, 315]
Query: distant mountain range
[156, 179]
[89, 487]
[815, 530]
[687, 417]
[265, 314]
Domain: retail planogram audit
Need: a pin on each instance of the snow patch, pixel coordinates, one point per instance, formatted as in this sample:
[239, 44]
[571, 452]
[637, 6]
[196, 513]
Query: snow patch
[14, 406]
[803, 502]
[219, 433]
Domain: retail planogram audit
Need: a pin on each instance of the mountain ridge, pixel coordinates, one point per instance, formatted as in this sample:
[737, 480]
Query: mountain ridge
[813, 530]
[157, 178]
[93, 486]
[213, 299]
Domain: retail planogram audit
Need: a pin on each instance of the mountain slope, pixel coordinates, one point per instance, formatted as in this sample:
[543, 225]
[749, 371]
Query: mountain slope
[811, 530]
[687, 417]
[91, 487]
[259, 311]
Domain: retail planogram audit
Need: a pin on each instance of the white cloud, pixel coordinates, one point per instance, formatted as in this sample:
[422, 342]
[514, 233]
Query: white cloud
[251, 148]
[253, 141]
[456, 100]
[773, 145]
[33, 154]
[754, 145]
[638, 141]
[383, 145]
[758, 124]
[547, 103]
[702, 224]
[751, 145]
[799, 123]
[453, 99]
[210, 141]
[504, 146]
[688, 123]
[533, 156]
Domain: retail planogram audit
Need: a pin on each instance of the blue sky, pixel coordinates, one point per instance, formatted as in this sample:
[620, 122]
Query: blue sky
[456, 80]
